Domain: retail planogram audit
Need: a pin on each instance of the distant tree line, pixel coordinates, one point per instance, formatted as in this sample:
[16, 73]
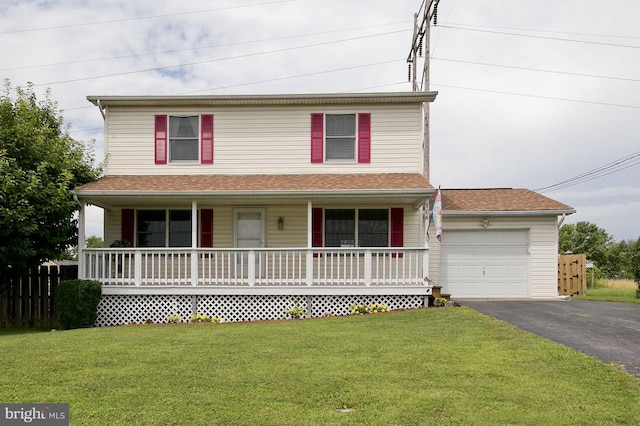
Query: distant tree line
[614, 259]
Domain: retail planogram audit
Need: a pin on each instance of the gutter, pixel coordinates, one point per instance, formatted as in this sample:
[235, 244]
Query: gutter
[508, 213]
[254, 193]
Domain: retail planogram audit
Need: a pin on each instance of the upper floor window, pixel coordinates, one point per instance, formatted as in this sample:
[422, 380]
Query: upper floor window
[184, 139]
[341, 137]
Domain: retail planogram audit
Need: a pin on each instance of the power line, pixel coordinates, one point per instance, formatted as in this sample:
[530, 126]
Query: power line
[84, 24]
[538, 96]
[213, 60]
[539, 30]
[541, 37]
[536, 69]
[290, 77]
[604, 170]
[137, 55]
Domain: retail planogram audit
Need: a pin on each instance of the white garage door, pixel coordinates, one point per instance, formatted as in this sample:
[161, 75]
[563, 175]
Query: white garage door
[485, 263]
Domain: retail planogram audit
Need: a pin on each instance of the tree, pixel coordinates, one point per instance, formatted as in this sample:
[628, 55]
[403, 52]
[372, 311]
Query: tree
[588, 238]
[91, 242]
[40, 164]
[635, 265]
[94, 242]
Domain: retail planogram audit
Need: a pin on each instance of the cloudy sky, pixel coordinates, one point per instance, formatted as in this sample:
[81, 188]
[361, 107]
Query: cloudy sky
[532, 94]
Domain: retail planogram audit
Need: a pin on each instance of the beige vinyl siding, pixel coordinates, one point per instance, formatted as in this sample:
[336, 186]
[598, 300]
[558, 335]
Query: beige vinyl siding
[112, 226]
[293, 235]
[413, 227]
[265, 140]
[294, 232]
[543, 248]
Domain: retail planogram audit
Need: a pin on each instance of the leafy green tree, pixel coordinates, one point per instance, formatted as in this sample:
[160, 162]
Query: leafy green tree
[40, 164]
[635, 265]
[94, 242]
[91, 242]
[619, 254]
[588, 238]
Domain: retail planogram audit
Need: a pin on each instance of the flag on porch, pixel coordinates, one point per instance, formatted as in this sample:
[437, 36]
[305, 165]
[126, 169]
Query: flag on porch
[437, 215]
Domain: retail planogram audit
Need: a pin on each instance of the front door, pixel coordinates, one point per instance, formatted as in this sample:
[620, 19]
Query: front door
[249, 233]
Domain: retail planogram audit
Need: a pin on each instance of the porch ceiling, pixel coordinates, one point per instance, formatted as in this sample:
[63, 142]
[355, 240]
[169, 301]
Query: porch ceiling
[334, 189]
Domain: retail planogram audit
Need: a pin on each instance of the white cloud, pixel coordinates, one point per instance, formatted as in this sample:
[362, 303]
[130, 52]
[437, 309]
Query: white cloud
[480, 138]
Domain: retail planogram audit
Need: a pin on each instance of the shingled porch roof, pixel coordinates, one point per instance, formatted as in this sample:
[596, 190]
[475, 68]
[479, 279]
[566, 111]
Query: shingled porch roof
[411, 188]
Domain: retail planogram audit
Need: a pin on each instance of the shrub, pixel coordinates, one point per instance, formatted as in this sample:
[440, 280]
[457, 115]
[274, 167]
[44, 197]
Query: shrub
[77, 303]
[440, 301]
[297, 312]
[371, 309]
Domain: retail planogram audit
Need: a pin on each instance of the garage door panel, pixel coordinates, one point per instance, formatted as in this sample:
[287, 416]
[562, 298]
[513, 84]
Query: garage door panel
[487, 263]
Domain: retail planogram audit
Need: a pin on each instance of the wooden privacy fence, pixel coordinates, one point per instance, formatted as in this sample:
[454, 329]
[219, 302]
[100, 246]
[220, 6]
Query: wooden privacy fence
[31, 300]
[572, 275]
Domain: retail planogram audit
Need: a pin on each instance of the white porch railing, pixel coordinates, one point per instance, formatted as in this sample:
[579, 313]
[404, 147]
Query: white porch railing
[293, 267]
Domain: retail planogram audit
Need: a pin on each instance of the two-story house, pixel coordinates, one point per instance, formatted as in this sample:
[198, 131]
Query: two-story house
[244, 206]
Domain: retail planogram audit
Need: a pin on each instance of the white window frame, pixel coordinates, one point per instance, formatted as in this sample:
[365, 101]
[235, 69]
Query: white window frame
[327, 137]
[170, 139]
[356, 234]
[167, 223]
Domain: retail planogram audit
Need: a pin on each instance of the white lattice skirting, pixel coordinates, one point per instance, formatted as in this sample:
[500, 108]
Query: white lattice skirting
[136, 309]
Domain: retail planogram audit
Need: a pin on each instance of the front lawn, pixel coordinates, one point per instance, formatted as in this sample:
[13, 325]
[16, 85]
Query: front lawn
[430, 366]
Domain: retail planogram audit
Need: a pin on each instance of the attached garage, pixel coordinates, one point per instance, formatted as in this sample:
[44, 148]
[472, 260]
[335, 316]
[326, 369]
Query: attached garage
[486, 263]
[497, 243]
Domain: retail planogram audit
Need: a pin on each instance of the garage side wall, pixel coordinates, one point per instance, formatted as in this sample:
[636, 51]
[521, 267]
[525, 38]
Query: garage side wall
[543, 248]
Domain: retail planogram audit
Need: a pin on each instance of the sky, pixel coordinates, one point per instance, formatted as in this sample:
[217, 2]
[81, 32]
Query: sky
[542, 94]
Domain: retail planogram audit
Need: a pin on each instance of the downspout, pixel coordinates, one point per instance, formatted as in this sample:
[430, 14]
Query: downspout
[101, 108]
[564, 216]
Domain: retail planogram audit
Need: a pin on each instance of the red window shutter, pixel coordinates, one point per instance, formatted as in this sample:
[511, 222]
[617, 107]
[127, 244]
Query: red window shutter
[206, 228]
[317, 138]
[206, 133]
[397, 227]
[128, 225]
[364, 138]
[161, 139]
[316, 227]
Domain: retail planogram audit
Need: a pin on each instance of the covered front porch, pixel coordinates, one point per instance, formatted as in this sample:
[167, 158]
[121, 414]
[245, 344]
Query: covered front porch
[248, 247]
[258, 270]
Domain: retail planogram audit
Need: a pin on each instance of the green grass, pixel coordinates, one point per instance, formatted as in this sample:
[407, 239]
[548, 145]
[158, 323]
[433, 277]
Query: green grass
[610, 294]
[432, 366]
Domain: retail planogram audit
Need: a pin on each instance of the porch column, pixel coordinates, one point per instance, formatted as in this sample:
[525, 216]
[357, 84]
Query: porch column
[309, 269]
[425, 254]
[81, 239]
[194, 242]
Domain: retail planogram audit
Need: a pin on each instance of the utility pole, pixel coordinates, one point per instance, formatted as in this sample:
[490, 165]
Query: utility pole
[420, 42]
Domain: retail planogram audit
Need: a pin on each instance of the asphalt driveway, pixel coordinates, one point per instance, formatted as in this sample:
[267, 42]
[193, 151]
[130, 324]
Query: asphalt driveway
[607, 331]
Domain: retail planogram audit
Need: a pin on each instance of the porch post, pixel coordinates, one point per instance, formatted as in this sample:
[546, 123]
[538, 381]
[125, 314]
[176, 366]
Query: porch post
[81, 240]
[309, 269]
[425, 254]
[194, 242]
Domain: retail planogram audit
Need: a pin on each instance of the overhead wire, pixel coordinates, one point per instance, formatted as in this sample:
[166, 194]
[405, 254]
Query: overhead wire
[541, 37]
[615, 166]
[213, 60]
[139, 18]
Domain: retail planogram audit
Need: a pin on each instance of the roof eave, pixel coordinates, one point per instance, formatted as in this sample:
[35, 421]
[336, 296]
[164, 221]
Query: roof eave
[256, 100]
[426, 192]
[507, 212]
